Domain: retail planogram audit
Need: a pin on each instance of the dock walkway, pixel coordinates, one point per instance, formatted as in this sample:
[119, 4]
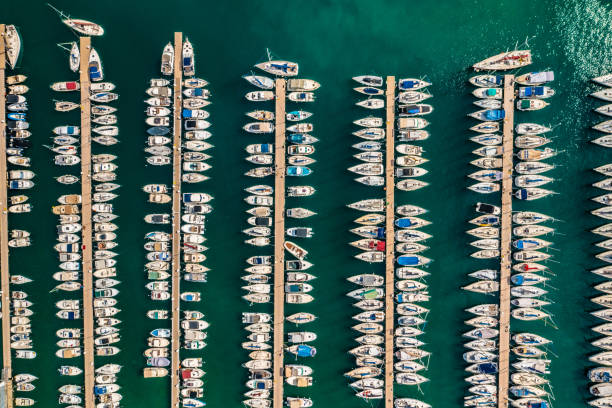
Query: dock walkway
[279, 243]
[390, 240]
[86, 232]
[506, 242]
[4, 248]
[175, 344]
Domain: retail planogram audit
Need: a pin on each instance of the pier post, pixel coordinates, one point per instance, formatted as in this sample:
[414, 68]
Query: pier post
[279, 242]
[86, 231]
[390, 239]
[4, 248]
[506, 242]
[175, 343]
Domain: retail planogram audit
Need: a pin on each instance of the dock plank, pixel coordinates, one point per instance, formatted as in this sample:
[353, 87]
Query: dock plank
[86, 222]
[390, 240]
[176, 223]
[279, 243]
[506, 242]
[4, 248]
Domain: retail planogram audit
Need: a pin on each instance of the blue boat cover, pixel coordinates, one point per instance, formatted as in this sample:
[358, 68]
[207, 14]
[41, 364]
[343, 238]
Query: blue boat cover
[265, 148]
[380, 232]
[100, 389]
[408, 260]
[522, 194]
[282, 67]
[187, 113]
[94, 73]
[296, 137]
[408, 84]
[518, 279]
[186, 61]
[304, 350]
[495, 114]
[491, 92]
[487, 368]
[520, 244]
[403, 222]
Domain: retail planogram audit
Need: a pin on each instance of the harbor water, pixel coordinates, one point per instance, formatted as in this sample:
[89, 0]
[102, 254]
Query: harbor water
[332, 41]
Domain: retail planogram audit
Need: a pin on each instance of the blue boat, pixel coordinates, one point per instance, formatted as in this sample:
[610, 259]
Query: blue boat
[486, 368]
[520, 244]
[198, 92]
[16, 116]
[408, 260]
[301, 138]
[377, 233]
[100, 390]
[535, 92]
[70, 315]
[298, 171]
[405, 222]
[522, 194]
[266, 148]
[188, 297]
[94, 73]
[494, 114]
[304, 350]
[368, 90]
[161, 333]
[158, 130]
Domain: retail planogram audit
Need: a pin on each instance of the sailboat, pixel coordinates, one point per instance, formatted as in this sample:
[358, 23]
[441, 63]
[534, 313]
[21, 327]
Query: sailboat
[13, 45]
[79, 25]
[75, 57]
[279, 67]
[505, 61]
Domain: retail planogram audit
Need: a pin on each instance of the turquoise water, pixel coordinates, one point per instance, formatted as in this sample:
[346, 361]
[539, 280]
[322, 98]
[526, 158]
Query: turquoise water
[332, 41]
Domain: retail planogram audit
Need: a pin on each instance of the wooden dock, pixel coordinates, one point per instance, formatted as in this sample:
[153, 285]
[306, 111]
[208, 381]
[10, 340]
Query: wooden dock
[279, 243]
[506, 243]
[175, 343]
[390, 240]
[86, 232]
[4, 248]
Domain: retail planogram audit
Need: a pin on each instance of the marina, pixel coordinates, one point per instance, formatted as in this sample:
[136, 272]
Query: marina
[390, 238]
[7, 367]
[431, 234]
[86, 218]
[505, 242]
[279, 244]
[175, 342]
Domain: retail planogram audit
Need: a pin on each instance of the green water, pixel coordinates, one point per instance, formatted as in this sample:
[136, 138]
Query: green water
[332, 41]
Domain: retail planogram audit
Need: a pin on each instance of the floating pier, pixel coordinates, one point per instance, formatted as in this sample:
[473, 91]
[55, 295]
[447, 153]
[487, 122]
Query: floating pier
[279, 243]
[506, 243]
[86, 232]
[175, 343]
[390, 239]
[4, 248]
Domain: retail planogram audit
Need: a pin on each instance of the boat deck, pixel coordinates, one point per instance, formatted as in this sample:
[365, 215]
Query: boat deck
[390, 240]
[279, 242]
[4, 248]
[86, 232]
[175, 344]
[506, 237]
